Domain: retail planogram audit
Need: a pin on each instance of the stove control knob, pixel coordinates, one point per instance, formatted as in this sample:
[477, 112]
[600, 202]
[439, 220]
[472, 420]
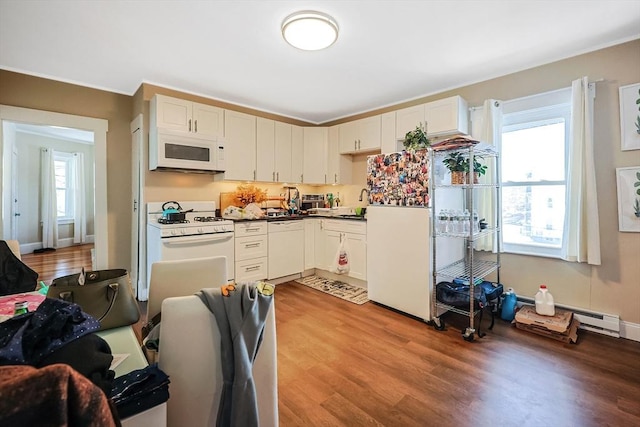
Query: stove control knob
[182, 231]
[173, 232]
[200, 230]
[216, 229]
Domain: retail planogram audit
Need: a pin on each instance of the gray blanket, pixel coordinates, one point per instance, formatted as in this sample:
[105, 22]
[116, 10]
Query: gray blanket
[240, 315]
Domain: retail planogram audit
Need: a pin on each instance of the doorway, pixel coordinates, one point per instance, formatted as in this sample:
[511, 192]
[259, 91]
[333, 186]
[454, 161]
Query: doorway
[9, 116]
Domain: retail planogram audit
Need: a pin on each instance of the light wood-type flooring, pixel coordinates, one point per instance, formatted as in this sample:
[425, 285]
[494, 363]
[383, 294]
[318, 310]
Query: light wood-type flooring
[342, 364]
[61, 262]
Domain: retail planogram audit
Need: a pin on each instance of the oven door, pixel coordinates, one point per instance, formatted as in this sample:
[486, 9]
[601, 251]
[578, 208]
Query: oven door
[198, 246]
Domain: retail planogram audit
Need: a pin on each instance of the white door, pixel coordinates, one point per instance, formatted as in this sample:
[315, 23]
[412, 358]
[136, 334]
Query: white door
[208, 120]
[265, 144]
[297, 153]
[283, 153]
[138, 270]
[174, 113]
[15, 210]
[357, 254]
[315, 155]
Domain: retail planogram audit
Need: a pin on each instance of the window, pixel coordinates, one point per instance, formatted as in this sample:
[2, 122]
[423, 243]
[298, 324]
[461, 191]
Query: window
[64, 170]
[535, 136]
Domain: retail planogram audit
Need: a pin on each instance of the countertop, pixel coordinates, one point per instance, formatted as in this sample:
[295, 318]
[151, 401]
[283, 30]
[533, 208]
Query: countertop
[299, 217]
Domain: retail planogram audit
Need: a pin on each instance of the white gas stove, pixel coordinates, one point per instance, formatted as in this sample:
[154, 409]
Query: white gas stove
[200, 234]
[201, 219]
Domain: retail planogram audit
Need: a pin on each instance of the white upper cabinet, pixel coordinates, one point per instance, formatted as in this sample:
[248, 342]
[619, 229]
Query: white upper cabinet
[338, 165]
[186, 116]
[388, 141]
[283, 153]
[297, 153]
[240, 136]
[446, 117]
[265, 149]
[315, 155]
[407, 119]
[360, 136]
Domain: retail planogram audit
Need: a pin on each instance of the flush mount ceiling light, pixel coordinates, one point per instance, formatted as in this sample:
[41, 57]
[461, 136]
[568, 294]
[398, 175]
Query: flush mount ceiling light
[309, 30]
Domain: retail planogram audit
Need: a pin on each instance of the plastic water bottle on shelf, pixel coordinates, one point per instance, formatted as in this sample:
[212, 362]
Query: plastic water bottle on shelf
[441, 224]
[544, 302]
[466, 217]
[476, 225]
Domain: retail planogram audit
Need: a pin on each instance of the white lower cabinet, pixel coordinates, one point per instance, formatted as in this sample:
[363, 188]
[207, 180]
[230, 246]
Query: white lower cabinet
[354, 233]
[251, 251]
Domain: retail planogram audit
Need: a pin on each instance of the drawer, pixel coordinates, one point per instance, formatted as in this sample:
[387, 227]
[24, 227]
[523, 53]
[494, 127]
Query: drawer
[250, 228]
[345, 226]
[251, 247]
[253, 269]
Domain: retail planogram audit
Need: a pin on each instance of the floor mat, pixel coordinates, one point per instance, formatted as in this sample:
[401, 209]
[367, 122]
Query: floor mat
[338, 289]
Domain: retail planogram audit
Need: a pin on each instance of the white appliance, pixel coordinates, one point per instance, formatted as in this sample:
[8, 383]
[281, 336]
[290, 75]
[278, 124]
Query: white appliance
[171, 150]
[286, 248]
[399, 258]
[201, 234]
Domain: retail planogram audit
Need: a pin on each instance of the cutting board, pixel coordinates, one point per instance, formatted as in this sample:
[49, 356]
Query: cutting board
[227, 199]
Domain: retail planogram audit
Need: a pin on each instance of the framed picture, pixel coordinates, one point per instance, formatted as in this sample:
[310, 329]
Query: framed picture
[628, 180]
[630, 117]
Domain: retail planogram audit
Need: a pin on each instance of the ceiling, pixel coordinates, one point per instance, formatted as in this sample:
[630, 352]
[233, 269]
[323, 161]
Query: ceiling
[387, 51]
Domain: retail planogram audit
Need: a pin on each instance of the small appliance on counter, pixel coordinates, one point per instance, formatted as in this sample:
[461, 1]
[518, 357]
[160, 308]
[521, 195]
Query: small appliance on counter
[312, 201]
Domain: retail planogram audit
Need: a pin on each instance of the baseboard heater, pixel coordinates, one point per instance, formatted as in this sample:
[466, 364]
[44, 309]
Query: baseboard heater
[607, 324]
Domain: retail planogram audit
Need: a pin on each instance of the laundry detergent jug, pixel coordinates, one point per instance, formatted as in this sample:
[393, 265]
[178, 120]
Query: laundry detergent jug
[544, 302]
[509, 305]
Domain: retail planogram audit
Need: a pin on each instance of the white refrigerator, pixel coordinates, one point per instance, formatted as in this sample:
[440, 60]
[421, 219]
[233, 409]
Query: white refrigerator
[399, 258]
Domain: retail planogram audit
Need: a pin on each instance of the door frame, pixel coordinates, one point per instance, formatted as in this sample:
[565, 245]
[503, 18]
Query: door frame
[99, 127]
[138, 218]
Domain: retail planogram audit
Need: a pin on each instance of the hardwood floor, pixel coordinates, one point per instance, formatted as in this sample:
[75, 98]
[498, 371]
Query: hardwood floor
[340, 364]
[60, 262]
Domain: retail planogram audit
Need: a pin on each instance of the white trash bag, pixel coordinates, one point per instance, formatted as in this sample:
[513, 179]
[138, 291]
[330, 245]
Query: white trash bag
[340, 263]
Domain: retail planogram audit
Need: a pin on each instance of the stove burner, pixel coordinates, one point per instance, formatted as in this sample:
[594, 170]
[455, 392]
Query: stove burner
[206, 219]
[169, 221]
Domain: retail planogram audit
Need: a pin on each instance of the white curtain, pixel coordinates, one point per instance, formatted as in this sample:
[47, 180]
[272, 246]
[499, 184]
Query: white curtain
[486, 126]
[581, 237]
[80, 209]
[48, 202]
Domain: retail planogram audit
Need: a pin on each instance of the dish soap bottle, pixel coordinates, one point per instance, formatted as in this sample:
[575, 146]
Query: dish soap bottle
[544, 302]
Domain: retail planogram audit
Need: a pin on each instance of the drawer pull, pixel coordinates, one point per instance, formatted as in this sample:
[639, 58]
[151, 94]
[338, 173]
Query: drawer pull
[252, 245]
[251, 229]
[254, 268]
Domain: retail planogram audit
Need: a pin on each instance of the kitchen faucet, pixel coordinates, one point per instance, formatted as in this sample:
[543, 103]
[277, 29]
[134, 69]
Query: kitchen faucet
[364, 190]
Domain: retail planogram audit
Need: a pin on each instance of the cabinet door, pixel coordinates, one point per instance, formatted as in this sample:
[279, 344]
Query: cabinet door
[447, 116]
[240, 130]
[320, 236]
[309, 243]
[283, 153]
[331, 245]
[338, 165]
[388, 141]
[369, 134]
[297, 153]
[408, 118]
[173, 113]
[265, 148]
[357, 253]
[315, 155]
[348, 137]
[208, 120]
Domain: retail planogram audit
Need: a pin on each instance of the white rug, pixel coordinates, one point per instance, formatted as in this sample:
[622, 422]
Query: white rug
[338, 289]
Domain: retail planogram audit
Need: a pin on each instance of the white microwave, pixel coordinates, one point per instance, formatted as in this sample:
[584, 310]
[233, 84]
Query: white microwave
[173, 151]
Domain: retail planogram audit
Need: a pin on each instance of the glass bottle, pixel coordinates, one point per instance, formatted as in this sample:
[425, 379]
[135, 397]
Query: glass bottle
[466, 222]
[476, 226]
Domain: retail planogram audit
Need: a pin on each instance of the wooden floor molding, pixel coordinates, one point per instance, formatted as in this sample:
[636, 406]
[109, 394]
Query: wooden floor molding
[342, 364]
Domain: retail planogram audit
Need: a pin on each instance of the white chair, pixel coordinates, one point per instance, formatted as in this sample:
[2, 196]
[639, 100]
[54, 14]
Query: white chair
[190, 355]
[183, 277]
